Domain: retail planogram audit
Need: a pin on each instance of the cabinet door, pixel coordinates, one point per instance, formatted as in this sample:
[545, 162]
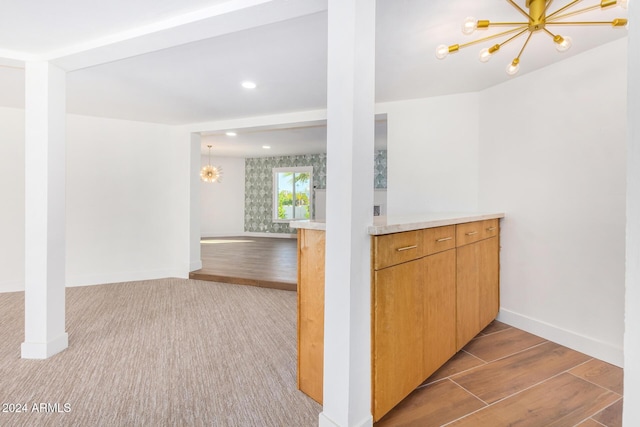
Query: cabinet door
[397, 335]
[439, 289]
[490, 281]
[311, 312]
[477, 287]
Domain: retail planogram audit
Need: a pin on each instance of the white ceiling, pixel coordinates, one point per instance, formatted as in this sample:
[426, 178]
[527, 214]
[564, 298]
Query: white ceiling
[300, 138]
[182, 61]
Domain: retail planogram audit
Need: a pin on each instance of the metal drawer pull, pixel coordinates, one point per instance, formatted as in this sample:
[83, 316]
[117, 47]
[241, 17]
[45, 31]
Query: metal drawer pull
[406, 248]
[491, 229]
[444, 239]
[471, 233]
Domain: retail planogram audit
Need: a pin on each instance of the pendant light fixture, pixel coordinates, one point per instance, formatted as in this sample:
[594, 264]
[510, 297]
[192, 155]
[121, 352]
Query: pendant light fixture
[537, 20]
[210, 173]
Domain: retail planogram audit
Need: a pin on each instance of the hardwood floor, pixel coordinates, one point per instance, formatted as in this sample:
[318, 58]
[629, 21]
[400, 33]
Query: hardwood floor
[508, 377]
[503, 377]
[258, 261]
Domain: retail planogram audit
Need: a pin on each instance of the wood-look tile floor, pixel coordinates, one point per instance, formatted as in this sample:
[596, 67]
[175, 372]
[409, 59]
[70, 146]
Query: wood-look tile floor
[269, 262]
[508, 377]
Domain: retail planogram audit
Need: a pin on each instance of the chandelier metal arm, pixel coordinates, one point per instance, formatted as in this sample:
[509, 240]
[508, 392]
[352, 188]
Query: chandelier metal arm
[546, 8]
[506, 24]
[574, 13]
[618, 22]
[524, 45]
[521, 10]
[562, 9]
[548, 32]
[522, 29]
[513, 37]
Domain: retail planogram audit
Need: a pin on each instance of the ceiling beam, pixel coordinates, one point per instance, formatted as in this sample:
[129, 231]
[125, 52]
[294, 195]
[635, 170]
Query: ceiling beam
[218, 20]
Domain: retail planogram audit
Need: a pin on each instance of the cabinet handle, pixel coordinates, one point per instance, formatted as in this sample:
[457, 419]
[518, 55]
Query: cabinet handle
[491, 229]
[406, 248]
[471, 233]
[444, 239]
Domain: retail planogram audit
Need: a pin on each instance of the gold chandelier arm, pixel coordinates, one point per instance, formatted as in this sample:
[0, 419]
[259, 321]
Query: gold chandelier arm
[521, 10]
[513, 37]
[523, 46]
[618, 22]
[546, 8]
[562, 9]
[506, 24]
[493, 36]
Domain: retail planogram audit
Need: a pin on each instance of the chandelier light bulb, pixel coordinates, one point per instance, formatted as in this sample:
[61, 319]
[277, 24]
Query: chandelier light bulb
[513, 67]
[442, 51]
[484, 55]
[469, 25]
[562, 43]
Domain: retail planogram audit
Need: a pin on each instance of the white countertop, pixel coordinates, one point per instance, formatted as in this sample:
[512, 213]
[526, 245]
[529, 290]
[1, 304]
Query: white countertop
[396, 224]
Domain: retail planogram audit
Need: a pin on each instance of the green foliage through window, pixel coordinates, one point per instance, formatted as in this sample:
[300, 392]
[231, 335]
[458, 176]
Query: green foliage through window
[293, 189]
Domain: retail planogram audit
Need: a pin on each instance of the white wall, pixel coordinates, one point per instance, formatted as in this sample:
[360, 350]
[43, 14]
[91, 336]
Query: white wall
[127, 201]
[222, 204]
[555, 163]
[432, 154]
[11, 199]
[631, 412]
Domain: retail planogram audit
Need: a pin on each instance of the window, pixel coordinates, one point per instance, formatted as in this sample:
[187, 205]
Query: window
[292, 193]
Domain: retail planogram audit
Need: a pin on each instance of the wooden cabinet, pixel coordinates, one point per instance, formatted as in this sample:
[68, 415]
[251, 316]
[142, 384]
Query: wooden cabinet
[311, 312]
[432, 291]
[439, 305]
[413, 314]
[478, 270]
[397, 333]
[392, 249]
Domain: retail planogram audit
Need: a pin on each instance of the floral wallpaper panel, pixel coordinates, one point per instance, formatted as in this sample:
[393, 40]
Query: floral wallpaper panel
[259, 186]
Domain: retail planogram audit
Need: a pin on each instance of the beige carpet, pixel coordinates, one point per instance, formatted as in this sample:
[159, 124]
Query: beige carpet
[169, 352]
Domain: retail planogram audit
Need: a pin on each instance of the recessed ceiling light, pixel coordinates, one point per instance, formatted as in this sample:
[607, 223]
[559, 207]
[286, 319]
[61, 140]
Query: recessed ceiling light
[231, 134]
[249, 85]
[266, 147]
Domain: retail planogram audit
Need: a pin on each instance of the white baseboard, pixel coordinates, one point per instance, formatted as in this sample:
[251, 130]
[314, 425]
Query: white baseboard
[44, 350]
[11, 286]
[278, 235]
[249, 234]
[324, 421]
[195, 265]
[208, 234]
[582, 343]
[125, 276]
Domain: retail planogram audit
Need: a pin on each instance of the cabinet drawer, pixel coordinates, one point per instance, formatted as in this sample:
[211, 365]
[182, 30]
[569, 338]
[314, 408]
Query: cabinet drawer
[392, 249]
[491, 227]
[470, 232]
[438, 239]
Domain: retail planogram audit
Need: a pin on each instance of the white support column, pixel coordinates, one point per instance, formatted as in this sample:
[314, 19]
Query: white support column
[631, 416]
[195, 260]
[44, 211]
[350, 158]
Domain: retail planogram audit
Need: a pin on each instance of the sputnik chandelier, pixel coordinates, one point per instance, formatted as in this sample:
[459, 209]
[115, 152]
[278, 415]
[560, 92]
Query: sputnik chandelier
[211, 173]
[537, 20]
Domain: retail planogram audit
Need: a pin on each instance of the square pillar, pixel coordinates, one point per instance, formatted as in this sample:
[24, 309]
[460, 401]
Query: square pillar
[195, 235]
[350, 160]
[44, 211]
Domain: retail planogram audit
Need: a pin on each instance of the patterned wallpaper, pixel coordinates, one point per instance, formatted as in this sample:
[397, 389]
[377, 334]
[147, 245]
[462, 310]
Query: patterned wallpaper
[258, 194]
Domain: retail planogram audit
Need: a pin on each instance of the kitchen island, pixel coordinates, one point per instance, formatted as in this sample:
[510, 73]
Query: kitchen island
[434, 286]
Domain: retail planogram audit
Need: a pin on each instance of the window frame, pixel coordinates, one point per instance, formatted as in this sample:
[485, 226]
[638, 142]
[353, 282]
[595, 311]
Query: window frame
[292, 169]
